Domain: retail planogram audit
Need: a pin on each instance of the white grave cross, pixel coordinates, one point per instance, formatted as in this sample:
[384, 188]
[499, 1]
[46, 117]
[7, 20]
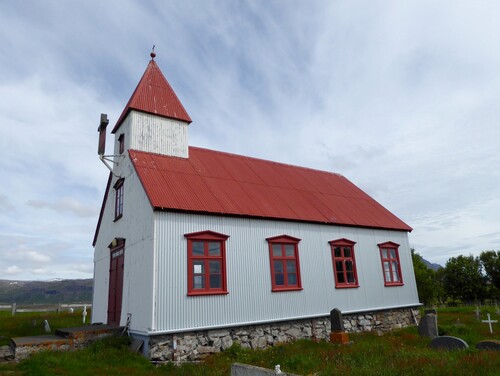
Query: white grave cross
[489, 322]
[84, 313]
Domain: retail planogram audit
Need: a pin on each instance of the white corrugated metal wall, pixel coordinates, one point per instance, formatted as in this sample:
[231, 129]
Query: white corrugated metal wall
[250, 299]
[136, 226]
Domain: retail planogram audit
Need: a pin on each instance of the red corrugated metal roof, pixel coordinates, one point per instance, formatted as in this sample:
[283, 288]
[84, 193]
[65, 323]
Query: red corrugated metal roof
[154, 95]
[215, 182]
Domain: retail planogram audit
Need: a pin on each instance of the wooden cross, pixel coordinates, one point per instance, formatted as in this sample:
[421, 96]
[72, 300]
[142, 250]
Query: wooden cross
[478, 313]
[489, 322]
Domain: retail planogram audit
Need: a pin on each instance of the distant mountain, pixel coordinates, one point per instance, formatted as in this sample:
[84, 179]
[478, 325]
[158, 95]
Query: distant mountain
[46, 292]
[431, 265]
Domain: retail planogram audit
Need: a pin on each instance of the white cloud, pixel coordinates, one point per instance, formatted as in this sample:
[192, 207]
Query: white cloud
[65, 205]
[5, 205]
[12, 270]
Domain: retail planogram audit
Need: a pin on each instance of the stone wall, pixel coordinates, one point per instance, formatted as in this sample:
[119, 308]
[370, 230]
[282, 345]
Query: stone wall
[197, 345]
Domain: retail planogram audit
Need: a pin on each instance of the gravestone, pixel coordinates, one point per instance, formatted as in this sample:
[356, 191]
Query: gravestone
[489, 344]
[428, 326]
[448, 343]
[336, 321]
[431, 310]
[338, 334]
[239, 369]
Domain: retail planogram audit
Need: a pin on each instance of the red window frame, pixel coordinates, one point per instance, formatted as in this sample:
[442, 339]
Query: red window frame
[121, 143]
[391, 266]
[119, 192]
[344, 263]
[206, 267]
[284, 263]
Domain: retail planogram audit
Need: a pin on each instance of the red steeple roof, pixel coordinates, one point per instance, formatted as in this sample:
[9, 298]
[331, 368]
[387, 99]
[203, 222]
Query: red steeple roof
[154, 95]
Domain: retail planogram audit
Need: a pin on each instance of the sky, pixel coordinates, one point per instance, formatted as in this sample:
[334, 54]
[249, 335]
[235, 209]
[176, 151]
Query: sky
[401, 97]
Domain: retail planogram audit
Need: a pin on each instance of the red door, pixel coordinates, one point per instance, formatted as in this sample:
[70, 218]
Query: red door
[115, 286]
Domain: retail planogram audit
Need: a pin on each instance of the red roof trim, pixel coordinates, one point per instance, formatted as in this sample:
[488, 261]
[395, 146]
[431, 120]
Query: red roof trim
[154, 95]
[159, 209]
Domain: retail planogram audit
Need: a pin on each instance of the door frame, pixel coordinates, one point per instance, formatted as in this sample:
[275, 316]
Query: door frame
[116, 273]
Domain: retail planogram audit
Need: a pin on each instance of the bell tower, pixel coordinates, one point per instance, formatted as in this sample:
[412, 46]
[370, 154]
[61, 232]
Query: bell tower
[154, 120]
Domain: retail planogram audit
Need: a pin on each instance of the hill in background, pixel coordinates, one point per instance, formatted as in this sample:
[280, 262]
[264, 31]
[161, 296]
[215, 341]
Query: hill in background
[46, 292]
[62, 291]
[431, 265]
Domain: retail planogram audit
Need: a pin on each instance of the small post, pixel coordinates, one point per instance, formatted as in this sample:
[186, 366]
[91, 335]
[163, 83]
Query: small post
[46, 326]
[84, 313]
[478, 314]
[13, 309]
[489, 322]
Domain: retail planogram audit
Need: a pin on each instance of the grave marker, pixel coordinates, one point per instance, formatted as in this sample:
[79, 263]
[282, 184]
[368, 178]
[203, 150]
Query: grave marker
[489, 344]
[428, 326]
[336, 320]
[448, 343]
[478, 313]
[489, 322]
[338, 334]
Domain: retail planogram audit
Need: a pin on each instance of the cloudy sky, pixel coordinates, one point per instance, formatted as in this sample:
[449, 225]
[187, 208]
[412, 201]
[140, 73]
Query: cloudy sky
[401, 97]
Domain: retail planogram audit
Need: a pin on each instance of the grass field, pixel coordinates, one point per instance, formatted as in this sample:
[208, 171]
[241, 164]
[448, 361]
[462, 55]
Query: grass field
[400, 352]
[32, 323]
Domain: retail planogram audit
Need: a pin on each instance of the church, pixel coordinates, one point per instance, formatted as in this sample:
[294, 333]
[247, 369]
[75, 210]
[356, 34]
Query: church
[196, 249]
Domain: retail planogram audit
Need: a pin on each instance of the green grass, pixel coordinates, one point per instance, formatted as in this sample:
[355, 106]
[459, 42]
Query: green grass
[400, 352]
[32, 323]
[107, 357]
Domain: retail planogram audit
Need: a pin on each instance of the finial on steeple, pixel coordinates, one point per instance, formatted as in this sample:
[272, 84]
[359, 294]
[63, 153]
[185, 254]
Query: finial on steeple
[153, 54]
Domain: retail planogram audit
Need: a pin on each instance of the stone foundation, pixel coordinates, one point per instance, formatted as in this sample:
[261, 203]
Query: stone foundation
[197, 345]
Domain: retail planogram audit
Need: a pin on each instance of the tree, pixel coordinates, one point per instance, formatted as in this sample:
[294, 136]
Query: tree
[441, 293]
[491, 264]
[424, 277]
[463, 279]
